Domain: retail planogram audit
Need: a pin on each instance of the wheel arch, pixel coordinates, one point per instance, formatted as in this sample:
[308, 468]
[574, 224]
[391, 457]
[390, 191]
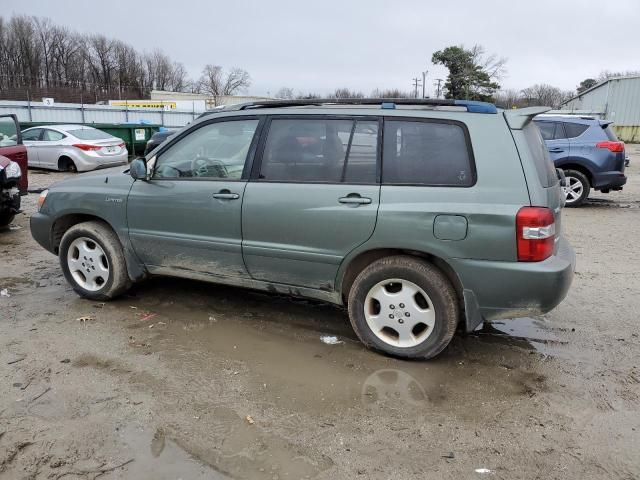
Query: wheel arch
[135, 268]
[63, 160]
[580, 168]
[363, 259]
[65, 222]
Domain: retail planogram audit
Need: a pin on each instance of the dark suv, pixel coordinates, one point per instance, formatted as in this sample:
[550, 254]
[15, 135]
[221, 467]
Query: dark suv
[588, 151]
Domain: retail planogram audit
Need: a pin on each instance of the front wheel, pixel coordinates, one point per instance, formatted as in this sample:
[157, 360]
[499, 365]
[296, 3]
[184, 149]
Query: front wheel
[6, 218]
[403, 306]
[93, 262]
[576, 189]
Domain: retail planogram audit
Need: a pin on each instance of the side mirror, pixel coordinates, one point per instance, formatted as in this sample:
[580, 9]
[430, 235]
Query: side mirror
[138, 169]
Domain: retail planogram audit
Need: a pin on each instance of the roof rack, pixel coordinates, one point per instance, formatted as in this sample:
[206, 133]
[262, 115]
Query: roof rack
[385, 103]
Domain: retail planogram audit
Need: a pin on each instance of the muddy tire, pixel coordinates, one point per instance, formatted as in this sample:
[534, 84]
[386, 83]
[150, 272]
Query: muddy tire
[404, 307]
[577, 189]
[93, 262]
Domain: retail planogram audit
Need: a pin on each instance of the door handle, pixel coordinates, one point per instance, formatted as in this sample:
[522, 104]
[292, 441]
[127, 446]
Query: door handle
[556, 150]
[226, 195]
[354, 199]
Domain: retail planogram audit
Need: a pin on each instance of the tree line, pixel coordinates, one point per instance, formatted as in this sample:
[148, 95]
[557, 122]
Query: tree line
[39, 55]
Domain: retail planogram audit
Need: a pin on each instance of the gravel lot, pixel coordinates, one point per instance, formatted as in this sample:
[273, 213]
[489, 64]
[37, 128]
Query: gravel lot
[189, 380]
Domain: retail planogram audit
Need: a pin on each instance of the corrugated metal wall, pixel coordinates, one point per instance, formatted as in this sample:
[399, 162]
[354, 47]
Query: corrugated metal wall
[76, 113]
[617, 100]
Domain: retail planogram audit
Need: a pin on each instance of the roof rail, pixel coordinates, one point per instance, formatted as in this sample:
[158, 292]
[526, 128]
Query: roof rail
[385, 103]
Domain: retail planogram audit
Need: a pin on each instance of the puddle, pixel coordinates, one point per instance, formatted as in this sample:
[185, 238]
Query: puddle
[524, 332]
[155, 456]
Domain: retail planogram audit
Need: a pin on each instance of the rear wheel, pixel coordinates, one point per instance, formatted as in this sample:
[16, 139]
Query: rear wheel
[93, 262]
[403, 306]
[576, 189]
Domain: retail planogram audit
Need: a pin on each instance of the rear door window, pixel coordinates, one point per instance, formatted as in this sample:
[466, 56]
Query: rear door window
[559, 133]
[52, 135]
[32, 135]
[430, 153]
[575, 129]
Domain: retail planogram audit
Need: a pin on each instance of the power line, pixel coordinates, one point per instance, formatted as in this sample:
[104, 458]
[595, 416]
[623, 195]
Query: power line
[416, 84]
[437, 85]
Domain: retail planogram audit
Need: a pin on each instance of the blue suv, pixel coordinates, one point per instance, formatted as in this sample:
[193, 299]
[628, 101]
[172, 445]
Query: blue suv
[588, 152]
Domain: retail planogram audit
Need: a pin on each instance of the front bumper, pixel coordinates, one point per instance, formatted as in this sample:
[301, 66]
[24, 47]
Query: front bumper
[41, 227]
[609, 180]
[494, 290]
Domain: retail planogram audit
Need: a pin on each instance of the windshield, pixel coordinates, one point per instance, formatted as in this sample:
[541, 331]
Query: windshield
[90, 134]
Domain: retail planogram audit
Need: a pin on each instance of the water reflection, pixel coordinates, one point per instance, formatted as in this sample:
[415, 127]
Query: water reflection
[393, 386]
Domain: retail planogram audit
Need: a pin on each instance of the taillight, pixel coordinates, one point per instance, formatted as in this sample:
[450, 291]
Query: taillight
[121, 145]
[615, 147]
[535, 233]
[87, 148]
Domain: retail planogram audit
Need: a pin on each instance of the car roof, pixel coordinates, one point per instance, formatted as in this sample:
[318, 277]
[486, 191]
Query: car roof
[63, 127]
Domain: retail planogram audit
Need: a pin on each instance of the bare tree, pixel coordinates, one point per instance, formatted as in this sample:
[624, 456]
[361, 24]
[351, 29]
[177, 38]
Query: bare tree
[346, 93]
[285, 93]
[45, 59]
[216, 82]
[544, 94]
[509, 98]
[390, 93]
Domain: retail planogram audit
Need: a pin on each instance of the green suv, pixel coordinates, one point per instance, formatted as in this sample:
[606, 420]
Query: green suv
[420, 216]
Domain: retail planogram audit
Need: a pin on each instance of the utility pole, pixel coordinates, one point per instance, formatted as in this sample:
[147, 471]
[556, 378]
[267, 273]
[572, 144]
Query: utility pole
[416, 84]
[437, 84]
[424, 82]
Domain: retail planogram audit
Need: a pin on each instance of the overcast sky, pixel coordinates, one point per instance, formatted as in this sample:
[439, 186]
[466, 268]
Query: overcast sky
[363, 44]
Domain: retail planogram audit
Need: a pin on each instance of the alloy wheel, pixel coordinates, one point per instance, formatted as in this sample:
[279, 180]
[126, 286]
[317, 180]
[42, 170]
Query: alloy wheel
[399, 313]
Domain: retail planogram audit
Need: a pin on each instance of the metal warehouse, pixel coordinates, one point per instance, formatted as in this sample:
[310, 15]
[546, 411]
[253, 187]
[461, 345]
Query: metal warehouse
[616, 99]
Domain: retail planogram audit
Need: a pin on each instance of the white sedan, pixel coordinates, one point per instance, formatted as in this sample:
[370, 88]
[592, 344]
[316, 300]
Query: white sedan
[74, 148]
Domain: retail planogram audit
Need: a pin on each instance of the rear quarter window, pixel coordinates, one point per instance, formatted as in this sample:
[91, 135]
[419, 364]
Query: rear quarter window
[430, 153]
[538, 149]
[575, 129]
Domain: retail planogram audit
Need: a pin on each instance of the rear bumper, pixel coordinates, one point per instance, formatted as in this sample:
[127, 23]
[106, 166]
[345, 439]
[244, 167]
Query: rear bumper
[495, 290]
[85, 163]
[609, 180]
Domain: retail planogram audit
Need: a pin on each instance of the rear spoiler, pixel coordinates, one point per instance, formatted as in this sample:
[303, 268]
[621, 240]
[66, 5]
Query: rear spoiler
[519, 118]
[605, 123]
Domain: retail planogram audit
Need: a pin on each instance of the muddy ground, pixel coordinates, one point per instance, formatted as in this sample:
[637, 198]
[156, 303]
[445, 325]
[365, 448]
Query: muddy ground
[188, 380]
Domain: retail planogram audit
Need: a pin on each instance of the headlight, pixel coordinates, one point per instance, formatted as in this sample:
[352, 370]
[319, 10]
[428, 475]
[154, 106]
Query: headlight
[13, 170]
[42, 198]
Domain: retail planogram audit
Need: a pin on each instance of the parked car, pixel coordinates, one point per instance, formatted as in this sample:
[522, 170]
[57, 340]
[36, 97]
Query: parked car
[588, 151]
[13, 168]
[453, 216]
[72, 148]
[156, 139]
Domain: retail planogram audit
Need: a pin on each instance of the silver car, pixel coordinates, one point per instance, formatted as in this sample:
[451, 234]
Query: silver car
[73, 148]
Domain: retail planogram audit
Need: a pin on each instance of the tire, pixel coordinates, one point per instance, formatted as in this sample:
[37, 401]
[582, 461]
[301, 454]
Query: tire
[91, 262]
[577, 189]
[65, 164]
[6, 218]
[435, 303]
